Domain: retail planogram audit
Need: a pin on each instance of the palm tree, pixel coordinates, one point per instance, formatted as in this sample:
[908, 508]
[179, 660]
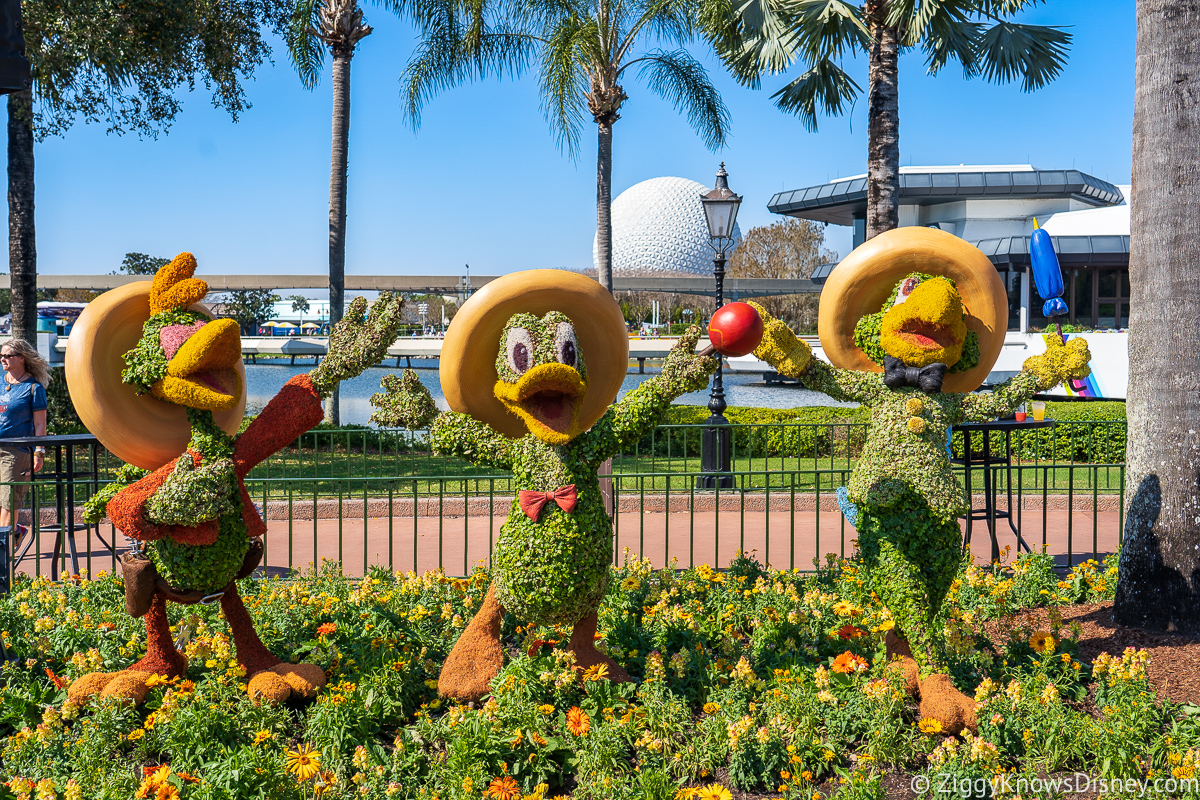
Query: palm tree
[1160, 558]
[583, 49]
[757, 37]
[339, 27]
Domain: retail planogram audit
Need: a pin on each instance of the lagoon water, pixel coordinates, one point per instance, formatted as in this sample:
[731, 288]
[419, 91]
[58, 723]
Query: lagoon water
[741, 389]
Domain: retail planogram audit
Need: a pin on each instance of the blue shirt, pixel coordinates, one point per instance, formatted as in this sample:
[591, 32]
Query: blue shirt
[18, 401]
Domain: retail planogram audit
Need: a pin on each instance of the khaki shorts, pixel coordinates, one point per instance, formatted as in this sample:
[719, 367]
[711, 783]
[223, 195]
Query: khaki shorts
[16, 465]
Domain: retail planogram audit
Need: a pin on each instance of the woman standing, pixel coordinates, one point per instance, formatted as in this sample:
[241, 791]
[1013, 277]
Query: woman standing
[22, 413]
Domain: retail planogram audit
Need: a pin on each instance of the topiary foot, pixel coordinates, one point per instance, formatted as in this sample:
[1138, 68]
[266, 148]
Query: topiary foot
[477, 656]
[127, 684]
[942, 701]
[283, 682]
[583, 645]
[899, 656]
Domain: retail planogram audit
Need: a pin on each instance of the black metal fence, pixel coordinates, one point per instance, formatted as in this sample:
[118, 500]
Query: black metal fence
[364, 497]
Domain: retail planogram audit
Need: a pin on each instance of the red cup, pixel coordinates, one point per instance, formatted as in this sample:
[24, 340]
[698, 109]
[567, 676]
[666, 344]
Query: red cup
[1020, 415]
[735, 329]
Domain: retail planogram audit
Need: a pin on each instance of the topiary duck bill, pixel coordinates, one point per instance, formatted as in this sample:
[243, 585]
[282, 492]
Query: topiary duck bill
[193, 516]
[547, 398]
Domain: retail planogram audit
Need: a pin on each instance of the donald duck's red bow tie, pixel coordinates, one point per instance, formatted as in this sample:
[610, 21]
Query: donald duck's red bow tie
[533, 502]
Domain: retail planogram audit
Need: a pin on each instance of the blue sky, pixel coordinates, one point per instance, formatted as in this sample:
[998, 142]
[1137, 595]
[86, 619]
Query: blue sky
[482, 181]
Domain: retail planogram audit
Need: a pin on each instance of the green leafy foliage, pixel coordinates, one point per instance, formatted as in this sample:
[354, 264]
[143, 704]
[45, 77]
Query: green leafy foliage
[767, 678]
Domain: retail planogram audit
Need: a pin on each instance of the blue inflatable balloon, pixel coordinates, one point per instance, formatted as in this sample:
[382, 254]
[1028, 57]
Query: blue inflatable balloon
[1046, 272]
[1054, 307]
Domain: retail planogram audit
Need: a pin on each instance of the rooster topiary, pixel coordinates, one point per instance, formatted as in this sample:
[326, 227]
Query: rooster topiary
[194, 525]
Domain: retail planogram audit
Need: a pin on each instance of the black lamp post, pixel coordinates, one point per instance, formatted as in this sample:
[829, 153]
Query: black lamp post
[720, 212]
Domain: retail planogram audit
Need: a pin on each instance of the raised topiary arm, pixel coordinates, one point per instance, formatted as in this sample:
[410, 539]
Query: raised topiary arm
[455, 434]
[642, 409]
[1041, 372]
[358, 341]
[793, 358]
[404, 403]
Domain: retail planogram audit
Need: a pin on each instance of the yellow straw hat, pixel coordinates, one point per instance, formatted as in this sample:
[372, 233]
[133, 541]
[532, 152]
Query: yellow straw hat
[140, 429]
[468, 362]
[864, 280]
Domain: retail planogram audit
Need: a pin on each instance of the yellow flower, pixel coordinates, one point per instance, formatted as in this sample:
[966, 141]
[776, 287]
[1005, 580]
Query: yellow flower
[135, 735]
[711, 708]
[1043, 642]
[914, 406]
[930, 726]
[262, 736]
[713, 791]
[304, 762]
[546, 710]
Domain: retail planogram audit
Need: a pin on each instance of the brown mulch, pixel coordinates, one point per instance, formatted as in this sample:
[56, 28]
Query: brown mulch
[1174, 666]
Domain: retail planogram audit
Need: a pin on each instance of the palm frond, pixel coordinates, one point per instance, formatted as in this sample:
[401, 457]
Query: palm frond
[829, 28]
[683, 82]
[564, 78]
[1034, 53]
[771, 35]
[950, 33]
[306, 52]
[825, 86]
[452, 50]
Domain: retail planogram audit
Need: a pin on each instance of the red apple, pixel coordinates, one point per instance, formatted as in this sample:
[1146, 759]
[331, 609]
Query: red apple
[735, 330]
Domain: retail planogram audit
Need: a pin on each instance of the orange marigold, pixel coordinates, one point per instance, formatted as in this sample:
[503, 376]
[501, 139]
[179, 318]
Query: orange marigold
[849, 632]
[504, 788]
[848, 662]
[326, 628]
[578, 722]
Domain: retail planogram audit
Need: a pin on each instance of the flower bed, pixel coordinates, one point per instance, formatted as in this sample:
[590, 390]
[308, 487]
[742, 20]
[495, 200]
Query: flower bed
[752, 683]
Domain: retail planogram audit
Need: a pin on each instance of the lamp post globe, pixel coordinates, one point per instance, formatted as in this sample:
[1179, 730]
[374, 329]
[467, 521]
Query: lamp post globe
[720, 213]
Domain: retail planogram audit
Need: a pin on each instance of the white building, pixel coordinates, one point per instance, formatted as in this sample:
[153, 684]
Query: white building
[994, 208]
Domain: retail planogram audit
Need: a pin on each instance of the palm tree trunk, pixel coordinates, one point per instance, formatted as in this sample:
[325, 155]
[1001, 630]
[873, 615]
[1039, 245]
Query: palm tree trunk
[1160, 559]
[22, 243]
[604, 205]
[883, 123]
[337, 206]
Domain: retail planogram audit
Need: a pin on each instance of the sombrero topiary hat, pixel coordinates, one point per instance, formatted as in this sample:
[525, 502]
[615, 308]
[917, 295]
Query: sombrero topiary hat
[468, 360]
[864, 280]
[138, 428]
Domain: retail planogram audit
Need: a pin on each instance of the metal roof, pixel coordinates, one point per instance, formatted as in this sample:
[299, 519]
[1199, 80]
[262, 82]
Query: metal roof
[1013, 251]
[1077, 251]
[841, 201]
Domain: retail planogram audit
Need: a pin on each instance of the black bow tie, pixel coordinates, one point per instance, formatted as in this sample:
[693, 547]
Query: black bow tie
[928, 379]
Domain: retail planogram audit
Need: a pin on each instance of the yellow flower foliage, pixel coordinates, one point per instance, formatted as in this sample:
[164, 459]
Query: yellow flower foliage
[1059, 362]
[174, 286]
[916, 425]
[544, 377]
[780, 348]
[934, 305]
[914, 407]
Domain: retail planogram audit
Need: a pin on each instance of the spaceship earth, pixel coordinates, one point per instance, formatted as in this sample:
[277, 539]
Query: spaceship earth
[658, 226]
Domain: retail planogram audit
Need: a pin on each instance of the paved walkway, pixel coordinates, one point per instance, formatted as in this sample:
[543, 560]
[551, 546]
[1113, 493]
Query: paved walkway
[456, 542]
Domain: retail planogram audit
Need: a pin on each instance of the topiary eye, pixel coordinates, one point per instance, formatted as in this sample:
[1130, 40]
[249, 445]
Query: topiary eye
[906, 288]
[566, 346]
[519, 350]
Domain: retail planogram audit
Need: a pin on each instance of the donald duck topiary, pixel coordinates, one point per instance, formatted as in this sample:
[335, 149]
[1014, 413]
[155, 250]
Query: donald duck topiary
[912, 322]
[161, 384]
[530, 366]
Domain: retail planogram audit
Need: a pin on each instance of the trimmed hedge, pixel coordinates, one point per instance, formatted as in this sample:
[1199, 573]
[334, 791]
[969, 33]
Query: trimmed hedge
[805, 432]
[1092, 432]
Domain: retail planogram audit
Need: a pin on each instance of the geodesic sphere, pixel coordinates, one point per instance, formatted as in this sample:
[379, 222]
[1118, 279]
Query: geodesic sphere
[658, 226]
